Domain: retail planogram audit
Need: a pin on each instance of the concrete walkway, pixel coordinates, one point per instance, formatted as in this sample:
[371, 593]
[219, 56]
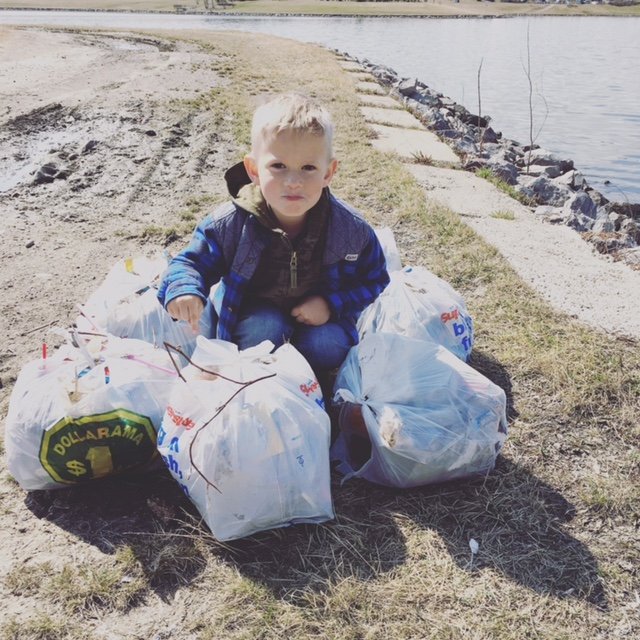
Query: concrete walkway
[564, 269]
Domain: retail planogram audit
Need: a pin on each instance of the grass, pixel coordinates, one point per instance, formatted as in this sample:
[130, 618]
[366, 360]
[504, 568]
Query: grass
[419, 157]
[556, 521]
[41, 627]
[505, 187]
[187, 218]
[503, 214]
[85, 588]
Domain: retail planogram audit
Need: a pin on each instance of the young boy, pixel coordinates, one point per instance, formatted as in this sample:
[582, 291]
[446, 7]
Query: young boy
[294, 263]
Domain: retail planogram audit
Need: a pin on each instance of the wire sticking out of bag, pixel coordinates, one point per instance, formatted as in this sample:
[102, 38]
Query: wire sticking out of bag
[86, 317]
[170, 347]
[219, 410]
[80, 344]
[146, 363]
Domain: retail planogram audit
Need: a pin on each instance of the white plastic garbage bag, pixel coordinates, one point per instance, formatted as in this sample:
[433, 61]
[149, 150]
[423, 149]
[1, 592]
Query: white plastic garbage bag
[429, 416]
[125, 305]
[389, 248]
[251, 454]
[88, 412]
[418, 304]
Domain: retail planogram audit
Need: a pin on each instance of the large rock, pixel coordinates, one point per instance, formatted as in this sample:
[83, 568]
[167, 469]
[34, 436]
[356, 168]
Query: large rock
[509, 152]
[467, 145]
[433, 118]
[549, 171]
[406, 87]
[490, 136]
[542, 190]
[596, 196]
[603, 223]
[617, 219]
[465, 116]
[572, 179]
[546, 158]
[579, 221]
[505, 171]
[627, 209]
[631, 229]
[581, 203]
[447, 126]
[428, 97]
[386, 75]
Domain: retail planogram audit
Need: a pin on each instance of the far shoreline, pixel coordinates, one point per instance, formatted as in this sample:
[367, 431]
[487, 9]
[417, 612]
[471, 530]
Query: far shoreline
[248, 14]
[454, 9]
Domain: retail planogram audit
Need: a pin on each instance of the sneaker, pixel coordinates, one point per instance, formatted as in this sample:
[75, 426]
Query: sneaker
[351, 423]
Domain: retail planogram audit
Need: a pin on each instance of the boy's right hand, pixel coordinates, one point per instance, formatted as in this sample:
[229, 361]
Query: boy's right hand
[188, 308]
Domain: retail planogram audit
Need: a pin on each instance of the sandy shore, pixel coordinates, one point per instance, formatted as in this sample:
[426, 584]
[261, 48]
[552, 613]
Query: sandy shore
[96, 110]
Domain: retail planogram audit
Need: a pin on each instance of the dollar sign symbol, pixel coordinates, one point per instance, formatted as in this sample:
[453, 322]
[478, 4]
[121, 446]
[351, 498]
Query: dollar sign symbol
[76, 468]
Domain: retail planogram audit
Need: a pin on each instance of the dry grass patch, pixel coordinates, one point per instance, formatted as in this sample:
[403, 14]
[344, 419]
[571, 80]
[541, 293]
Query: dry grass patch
[42, 627]
[82, 588]
[503, 214]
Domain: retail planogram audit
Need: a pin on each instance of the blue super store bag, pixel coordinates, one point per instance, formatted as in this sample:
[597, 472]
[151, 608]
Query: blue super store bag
[429, 417]
[418, 304]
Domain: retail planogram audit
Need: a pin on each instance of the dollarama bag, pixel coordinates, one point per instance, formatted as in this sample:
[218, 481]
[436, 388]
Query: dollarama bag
[86, 412]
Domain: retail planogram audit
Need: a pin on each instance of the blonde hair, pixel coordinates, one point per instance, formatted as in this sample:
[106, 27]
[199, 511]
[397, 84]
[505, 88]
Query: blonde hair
[291, 112]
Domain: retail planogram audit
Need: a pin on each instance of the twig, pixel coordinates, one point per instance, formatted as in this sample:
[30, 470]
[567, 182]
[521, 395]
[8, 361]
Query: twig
[170, 347]
[480, 129]
[42, 326]
[242, 387]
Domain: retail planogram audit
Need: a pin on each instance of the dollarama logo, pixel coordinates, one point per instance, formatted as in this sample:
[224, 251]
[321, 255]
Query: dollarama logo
[80, 449]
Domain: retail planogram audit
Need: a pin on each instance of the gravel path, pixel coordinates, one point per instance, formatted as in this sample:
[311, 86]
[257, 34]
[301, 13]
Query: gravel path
[564, 269]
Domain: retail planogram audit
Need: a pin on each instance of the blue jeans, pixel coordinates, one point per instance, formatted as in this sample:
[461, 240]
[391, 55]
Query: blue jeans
[324, 347]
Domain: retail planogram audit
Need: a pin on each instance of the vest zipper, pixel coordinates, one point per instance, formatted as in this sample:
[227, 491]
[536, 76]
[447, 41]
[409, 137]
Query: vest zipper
[293, 270]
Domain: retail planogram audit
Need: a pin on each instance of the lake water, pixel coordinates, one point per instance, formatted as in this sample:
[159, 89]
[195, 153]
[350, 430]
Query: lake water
[584, 71]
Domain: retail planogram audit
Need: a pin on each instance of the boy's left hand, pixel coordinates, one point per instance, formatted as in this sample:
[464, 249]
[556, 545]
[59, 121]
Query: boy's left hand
[314, 311]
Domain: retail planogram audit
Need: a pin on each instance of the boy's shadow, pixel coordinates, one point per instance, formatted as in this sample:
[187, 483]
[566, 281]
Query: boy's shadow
[519, 522]
[516, 518]
[491, 368]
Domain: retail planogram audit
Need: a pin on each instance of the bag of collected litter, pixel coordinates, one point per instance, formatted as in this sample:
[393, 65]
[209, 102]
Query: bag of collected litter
[87, 412]
[246, 437]
[125, 305]
[418, 304]
[428, 416]
[389, 248]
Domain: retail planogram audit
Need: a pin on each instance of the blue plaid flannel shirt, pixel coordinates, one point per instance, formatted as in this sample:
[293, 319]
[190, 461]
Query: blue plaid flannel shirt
[226, 246]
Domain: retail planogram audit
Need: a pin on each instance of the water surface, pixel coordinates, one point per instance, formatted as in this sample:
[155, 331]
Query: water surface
[583, 71]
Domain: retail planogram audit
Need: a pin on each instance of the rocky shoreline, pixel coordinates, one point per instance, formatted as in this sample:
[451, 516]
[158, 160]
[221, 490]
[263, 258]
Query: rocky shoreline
[551, 186]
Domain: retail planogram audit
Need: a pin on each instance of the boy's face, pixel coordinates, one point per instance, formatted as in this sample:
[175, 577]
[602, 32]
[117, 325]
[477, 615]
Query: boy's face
[291, 169]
